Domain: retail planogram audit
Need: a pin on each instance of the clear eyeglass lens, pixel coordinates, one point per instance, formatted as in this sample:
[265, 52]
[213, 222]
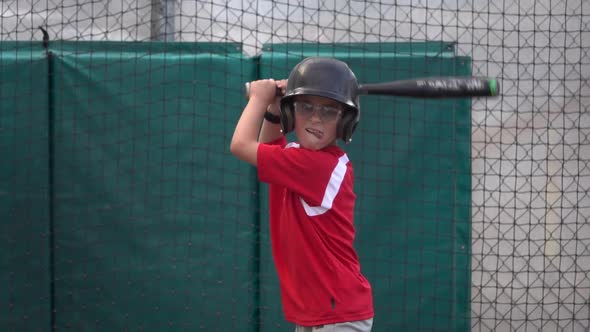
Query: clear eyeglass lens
[326, 113]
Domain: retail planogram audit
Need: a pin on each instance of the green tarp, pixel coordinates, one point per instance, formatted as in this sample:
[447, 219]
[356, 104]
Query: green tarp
[123, 209]
[25, 239]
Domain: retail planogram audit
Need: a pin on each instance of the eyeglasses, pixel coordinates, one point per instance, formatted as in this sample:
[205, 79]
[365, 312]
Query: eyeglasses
[326, 113]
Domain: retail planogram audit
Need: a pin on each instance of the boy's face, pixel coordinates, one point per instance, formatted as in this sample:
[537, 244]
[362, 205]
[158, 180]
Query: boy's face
[316, 121]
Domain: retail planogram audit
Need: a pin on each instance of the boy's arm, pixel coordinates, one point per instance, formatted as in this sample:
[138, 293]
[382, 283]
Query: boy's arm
[270, 131]
[244, 144]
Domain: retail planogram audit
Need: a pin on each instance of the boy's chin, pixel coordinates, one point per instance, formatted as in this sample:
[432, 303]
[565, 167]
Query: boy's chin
[313, 144]
[312, 147]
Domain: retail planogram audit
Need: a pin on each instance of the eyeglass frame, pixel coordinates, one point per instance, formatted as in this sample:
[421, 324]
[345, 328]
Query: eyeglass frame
[321, 111]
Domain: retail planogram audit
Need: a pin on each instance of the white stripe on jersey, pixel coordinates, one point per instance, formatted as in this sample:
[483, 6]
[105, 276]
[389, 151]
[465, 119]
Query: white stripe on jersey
[331, 189]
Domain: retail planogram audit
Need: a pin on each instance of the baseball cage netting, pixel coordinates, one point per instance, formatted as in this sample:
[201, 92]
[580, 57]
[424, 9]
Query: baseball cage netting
[123, 209]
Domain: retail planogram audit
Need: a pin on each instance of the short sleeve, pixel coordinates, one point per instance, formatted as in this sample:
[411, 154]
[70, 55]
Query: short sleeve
[300, 170]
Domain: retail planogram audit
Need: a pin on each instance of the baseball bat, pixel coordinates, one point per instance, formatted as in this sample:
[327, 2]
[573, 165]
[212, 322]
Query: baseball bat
[428, 87]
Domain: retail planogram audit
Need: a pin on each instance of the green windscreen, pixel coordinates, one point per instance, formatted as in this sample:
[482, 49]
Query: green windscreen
[25, 238]
[124, 209]
[154, 220]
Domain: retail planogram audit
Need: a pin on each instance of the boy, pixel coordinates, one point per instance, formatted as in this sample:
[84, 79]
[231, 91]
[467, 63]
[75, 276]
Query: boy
[311, 197]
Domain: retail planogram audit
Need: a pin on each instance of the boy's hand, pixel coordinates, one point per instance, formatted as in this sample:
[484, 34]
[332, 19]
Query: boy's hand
[266, 90]
[263, 90]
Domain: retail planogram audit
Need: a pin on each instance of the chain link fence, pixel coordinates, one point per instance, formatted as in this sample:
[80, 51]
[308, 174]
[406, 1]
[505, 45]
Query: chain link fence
[530, 148]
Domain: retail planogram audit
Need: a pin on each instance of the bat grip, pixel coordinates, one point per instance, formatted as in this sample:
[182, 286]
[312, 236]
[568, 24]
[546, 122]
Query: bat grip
[278, 93]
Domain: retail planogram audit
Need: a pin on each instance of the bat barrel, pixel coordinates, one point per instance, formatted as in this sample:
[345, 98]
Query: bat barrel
[432, 87]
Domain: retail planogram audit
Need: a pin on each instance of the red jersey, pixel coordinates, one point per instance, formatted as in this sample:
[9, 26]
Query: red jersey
[312, 233]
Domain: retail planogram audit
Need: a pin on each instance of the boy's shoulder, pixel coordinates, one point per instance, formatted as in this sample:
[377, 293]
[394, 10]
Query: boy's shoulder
[328, 155]
[334, 150]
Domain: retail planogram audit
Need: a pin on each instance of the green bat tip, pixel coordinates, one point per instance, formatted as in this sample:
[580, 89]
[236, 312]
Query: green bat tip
[494, 87]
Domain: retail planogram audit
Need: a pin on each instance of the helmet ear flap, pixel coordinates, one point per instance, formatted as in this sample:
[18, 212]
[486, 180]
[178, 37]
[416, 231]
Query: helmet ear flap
[348, 123]
[287, 116]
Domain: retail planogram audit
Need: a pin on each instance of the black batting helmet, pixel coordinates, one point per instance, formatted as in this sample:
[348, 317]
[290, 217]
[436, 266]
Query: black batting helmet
[325, 77]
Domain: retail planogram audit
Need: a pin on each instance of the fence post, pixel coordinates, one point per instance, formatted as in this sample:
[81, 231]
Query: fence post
[162, 20]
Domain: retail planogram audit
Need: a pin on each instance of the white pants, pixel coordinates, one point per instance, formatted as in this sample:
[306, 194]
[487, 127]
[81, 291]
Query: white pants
[357, 326]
